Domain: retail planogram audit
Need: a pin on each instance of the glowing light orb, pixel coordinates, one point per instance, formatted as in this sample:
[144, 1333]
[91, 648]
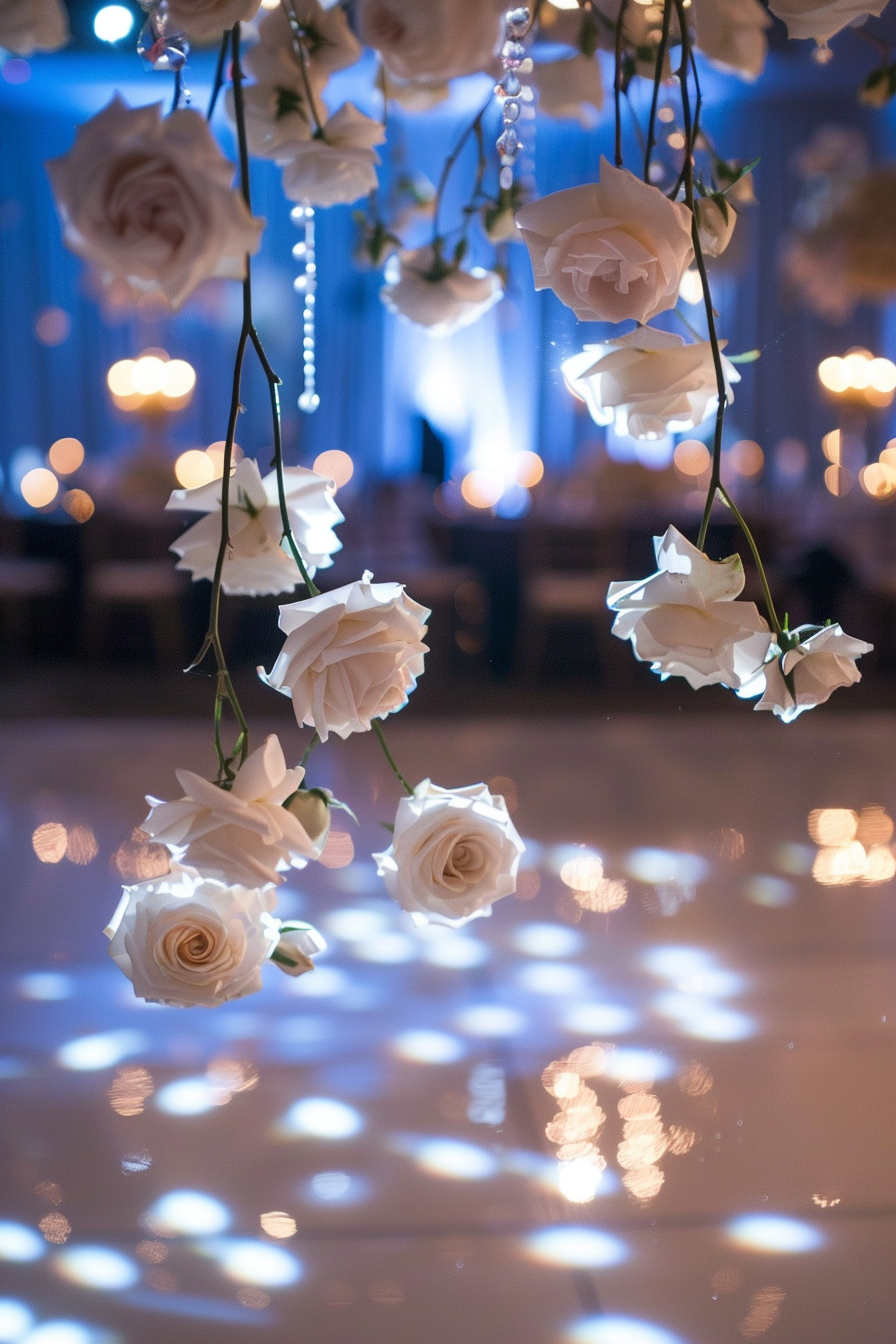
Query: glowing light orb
[66, 456]
[336, 464]
[39, 487]
[774, 1233]
[112, 23]
[579, 1247]
[321, 1118]
[194, 468]
[97, 1267]
[187, 1212]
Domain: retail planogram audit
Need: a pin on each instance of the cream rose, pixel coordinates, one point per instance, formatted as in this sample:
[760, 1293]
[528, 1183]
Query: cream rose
[258, 560]
[206, 18]
[329, 42]
[610, 250]
[684, 620]
[296, 947]
[242, 834]
[338, 165]
[428, 292]
[715, 224]
[818, 665]
[808, 18]
[33, 25]
[189, 940]
[454, 852]
[731, 34]
[148, 202]
[571, 88]
[648, 383]
[351, 655]
[434, 41]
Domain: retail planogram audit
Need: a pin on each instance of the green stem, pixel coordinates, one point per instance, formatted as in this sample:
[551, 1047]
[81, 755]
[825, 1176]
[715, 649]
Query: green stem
[308, 750]
[378, 729]
[301, 52]
[741, 522]
[657, 81]
[451, 161]
[617, 82]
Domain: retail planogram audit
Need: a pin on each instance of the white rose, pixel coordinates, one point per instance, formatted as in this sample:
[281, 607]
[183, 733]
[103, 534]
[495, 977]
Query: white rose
[571, 88]
[188, 940]
[336, 166]
[33, 25]
[428, 292]
[715, 224]
[454, 852]
[329, 42]
[731, 34]
[148, 201]
[434, 41]
[242, 834]
[297, 945]
[808, 18]
[277, 111]
[610, 250]
[684, 621]
[206, 18]
[351, 655]
[823, 661]
[258, 560]
[648, 383]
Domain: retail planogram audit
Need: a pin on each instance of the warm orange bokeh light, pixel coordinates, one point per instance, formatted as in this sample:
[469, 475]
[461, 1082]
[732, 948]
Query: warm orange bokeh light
[66, 456]
[336, 464]
[39, 487]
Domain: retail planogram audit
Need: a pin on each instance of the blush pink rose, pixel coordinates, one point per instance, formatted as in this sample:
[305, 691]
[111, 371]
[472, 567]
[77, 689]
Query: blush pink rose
[611, 250]
[148, 201]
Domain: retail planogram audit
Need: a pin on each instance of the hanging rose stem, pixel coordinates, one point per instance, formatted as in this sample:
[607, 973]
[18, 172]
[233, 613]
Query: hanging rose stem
[657, 81]
[212, 641]
[473, 129]
[715, 481]
[299, 38]
[378, 729]
[218, 80]
[617, 81]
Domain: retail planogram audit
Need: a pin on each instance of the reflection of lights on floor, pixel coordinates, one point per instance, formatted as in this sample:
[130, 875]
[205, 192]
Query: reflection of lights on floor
[578, 1247]
[456, 1159]
[429, 1047]
[65, 1332]
[579, 1180]
[353, 925]
[97, 1267]
[599, 1019]
[676, 963]
[188, 1096]
[632, 1065]
[490, 1019]
[547, 940]
[390, 948]
[456, 952]
[325, 983]
[189, 1212]
[321, 1118]
[619, 1330]
[255, 1262]
[550, 977]
[335, 1187]
[773, 1232]
[665, 865]
[20, 1243]
[47, 986]
[15, 1320]
[704, 1020]
[102, 1051]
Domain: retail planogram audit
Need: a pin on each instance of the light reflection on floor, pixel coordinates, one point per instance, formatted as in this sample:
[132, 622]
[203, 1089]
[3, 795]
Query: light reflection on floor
[372, 1152]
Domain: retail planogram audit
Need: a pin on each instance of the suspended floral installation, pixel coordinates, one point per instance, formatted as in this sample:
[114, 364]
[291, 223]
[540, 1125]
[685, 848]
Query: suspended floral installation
[148, 200]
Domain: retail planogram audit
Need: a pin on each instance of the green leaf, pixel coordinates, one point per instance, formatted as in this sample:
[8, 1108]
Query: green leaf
[746, 357]
[388, 826]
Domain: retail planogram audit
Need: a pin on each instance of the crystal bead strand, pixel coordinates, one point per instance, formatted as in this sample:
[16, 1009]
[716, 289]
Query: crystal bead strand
[510, 90]
[160, 44]
[306, 285]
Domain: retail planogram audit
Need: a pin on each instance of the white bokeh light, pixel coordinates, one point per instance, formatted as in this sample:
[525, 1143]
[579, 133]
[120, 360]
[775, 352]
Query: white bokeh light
[20, 1243]
[490, 1019]
[429, 1047]
[321, 1118]
[188, 1096]
[456, 1159]
[620, 1330]
[774, 1233]
[578, 1247]
[102, 1051]
[97, 1267]
[16, 1319]
[256, 1262]
[547, 940]
[187, 1212]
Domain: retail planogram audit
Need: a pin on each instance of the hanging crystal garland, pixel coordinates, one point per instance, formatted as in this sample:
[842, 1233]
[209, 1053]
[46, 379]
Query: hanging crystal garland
[513, 55]
[306, 285]
[161, 45]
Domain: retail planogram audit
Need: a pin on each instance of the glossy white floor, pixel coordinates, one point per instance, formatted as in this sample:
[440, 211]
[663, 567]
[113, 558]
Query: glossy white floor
[390, 1107]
